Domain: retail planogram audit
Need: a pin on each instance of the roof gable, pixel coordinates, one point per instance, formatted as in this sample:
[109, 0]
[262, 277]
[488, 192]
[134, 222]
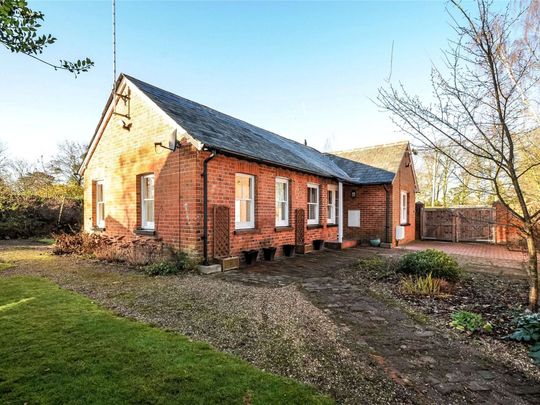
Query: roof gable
[374, 164]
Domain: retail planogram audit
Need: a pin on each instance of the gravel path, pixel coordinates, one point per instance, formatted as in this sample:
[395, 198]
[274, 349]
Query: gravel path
[437, 365]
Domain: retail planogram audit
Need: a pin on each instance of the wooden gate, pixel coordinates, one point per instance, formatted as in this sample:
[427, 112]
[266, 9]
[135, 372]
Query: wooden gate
[464, 224]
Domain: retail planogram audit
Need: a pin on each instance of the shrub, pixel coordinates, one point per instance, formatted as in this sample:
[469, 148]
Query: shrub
[528, 331]
[24, 216]
[430, 261]
[178, 263]
[469, 322]
[427, 285]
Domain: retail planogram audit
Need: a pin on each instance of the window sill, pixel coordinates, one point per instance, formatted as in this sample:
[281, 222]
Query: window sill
[144, 232]
[283, 228]
[97, 229]
[247, 230]
[405, 224]
[331, 225]
[314, 226]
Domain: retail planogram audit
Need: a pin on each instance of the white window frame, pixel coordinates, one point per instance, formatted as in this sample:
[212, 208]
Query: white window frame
[144, 223]
[100, 221]
[332, 208]
[283, 222]
[314, 221]
[403, 205]
[245, 224]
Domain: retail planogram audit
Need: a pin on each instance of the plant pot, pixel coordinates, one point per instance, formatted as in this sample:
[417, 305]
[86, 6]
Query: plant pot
[288, 250]
[318, 244]
[269, 253]
[250, 256]
[375, 242]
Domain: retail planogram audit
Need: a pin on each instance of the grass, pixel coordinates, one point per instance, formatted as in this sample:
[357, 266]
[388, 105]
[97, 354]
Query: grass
[44, 240]
[5, 266]
[59, 347]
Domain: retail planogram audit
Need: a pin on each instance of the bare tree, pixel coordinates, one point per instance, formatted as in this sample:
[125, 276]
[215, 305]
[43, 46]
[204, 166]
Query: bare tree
[65, 164]
[436, 177]
[482, 107]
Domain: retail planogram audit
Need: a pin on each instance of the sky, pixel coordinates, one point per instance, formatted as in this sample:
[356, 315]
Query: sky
[305, 70]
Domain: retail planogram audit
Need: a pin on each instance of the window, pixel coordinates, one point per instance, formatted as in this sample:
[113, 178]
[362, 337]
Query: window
[313, 204]
[332, 204]
[244, 209]
[282, 201]
[147, 201]
[404, 207]
[100, 205]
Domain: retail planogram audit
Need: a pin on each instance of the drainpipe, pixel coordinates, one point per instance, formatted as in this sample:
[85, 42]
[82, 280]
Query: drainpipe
[388, 213]
[340, 220]
[205, 206]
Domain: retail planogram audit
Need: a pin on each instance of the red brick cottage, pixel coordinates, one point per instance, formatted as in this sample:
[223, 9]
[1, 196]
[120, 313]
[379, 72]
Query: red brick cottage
[212, 185]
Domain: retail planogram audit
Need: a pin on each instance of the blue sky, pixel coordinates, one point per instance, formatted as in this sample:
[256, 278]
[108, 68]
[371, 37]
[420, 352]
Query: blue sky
[306, 70]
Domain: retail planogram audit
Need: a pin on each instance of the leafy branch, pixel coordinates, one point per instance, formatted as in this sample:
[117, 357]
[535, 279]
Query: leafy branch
[19, 27]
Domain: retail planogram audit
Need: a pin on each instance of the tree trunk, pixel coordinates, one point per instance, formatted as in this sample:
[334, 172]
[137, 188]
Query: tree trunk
[532, 271]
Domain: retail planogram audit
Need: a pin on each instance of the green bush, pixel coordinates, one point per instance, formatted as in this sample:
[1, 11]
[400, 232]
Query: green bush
[430, 261]
[469, 322]
[179, 263]
[161, 269]
[528, 331]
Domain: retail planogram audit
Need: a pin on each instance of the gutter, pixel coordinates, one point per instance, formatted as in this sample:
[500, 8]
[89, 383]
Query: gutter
[205, 205]
[285, 166]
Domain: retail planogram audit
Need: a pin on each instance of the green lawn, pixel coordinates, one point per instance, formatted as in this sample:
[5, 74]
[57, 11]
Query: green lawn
[59, 347]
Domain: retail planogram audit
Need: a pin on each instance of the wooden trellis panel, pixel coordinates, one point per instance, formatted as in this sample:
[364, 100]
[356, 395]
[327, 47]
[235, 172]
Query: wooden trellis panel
[222, 242]
[300, 222]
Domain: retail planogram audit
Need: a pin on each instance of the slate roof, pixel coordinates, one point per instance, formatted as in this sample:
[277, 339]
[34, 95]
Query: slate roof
[227, 134]
[372, 165]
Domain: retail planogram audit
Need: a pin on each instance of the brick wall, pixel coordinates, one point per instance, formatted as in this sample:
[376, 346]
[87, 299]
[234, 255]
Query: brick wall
[121, 156]
[221, 191]
[507, 228]
[371, 201]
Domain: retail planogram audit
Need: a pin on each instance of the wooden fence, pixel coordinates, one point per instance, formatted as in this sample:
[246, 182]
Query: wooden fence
[463, 224]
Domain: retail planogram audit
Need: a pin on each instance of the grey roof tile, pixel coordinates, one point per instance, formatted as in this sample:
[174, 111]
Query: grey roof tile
[231, 135]
[371, 165]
